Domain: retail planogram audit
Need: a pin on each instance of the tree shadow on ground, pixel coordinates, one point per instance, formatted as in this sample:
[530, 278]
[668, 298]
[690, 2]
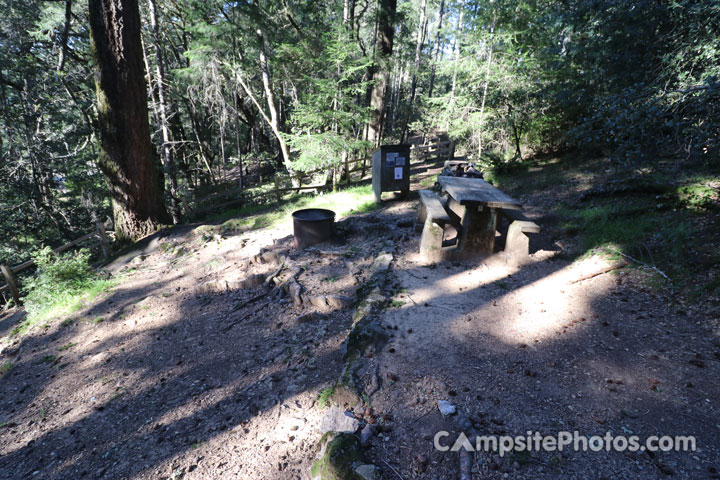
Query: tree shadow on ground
[178, 386]
[189, 382]
[529, 352]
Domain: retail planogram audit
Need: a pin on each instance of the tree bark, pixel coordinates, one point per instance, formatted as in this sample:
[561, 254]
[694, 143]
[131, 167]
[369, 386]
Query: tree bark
[167, 153]
[436, 51]
[274, 117]
[384, 42]
[65, 35]
[485, 88]
[458, 39]
[126, 157]
[419, 41]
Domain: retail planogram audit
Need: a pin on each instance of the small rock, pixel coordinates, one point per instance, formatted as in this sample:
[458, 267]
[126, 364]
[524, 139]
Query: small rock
[178, 474]
[367, 433]
[339, 301]
[368, 472]
[335, 420]
[317, 301]
[446, 408]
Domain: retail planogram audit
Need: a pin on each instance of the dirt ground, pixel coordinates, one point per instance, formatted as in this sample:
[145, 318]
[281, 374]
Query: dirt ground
[161, 378]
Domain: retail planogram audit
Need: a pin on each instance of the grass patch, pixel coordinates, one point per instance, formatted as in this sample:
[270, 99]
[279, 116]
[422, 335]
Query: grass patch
[608, 225]
[344, 202]
[62, 285]
[635, 227]
[67, 346]
[325, 395]
[427, 182]
[697, 196]
[653, 213]
[5, 368]
[533, 175]
[48, 359]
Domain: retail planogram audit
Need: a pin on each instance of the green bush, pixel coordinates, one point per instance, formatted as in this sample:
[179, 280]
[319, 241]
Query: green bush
[62, 283]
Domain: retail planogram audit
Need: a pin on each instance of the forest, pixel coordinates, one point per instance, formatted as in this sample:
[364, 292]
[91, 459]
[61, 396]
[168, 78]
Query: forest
[201, 278]
[237, 93]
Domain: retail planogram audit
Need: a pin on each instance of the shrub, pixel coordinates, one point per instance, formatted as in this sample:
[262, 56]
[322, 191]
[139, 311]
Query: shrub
[61, 284]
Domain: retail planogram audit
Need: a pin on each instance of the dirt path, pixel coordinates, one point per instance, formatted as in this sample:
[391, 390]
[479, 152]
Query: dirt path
[163, 379]
[521, 350]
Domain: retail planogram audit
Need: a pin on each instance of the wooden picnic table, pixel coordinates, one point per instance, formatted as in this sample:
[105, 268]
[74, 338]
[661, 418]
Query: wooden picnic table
[475, 202]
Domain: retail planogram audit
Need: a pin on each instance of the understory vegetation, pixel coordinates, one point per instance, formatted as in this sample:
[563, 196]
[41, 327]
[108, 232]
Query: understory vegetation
[63, 284]
[662, 217]
[243, 97]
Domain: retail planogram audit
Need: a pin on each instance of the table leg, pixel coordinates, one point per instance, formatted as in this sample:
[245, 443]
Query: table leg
[478, 230]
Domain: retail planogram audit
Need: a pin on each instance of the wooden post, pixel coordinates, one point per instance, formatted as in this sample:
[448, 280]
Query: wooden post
[277, 188]
[12, 285]
[103, 240]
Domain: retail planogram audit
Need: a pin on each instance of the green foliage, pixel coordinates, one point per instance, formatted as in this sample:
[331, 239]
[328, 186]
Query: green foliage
[62, 284]
[636, 81]
[50, 190]
[660, 96]
[325, 395]
[327, 117]
[698, 197]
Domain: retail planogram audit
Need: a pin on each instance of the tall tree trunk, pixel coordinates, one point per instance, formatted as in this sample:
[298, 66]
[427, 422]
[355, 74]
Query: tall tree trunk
[458, 39]
[419, 41]
[384, 45]
[65, 35]
[167, 153]
[238, 140]
[274, 117]
[515, 130]
[485, 88]
[436, 50]
[126, 157]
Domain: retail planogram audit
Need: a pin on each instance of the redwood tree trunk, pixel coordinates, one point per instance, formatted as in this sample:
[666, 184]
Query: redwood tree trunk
[127, 157]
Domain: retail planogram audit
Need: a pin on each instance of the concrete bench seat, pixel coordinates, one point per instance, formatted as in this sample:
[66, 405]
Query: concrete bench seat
[432, 218]
[517, 243]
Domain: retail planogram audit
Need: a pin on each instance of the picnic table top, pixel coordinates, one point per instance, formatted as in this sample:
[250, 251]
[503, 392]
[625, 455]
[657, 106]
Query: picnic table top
[467, 191]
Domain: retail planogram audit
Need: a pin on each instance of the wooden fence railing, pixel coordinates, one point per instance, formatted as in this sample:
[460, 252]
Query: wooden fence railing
[234, 196]
[280, 189]
[438, 150]
[9, 272]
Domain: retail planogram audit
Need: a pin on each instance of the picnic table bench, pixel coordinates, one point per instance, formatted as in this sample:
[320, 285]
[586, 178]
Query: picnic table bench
[471, 205]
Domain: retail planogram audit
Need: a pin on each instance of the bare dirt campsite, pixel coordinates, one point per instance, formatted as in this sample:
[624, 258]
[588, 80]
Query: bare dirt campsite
[225, 352]
[359, 240]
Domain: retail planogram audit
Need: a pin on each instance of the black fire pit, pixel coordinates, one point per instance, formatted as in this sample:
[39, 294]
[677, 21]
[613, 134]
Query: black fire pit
[313, 225]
